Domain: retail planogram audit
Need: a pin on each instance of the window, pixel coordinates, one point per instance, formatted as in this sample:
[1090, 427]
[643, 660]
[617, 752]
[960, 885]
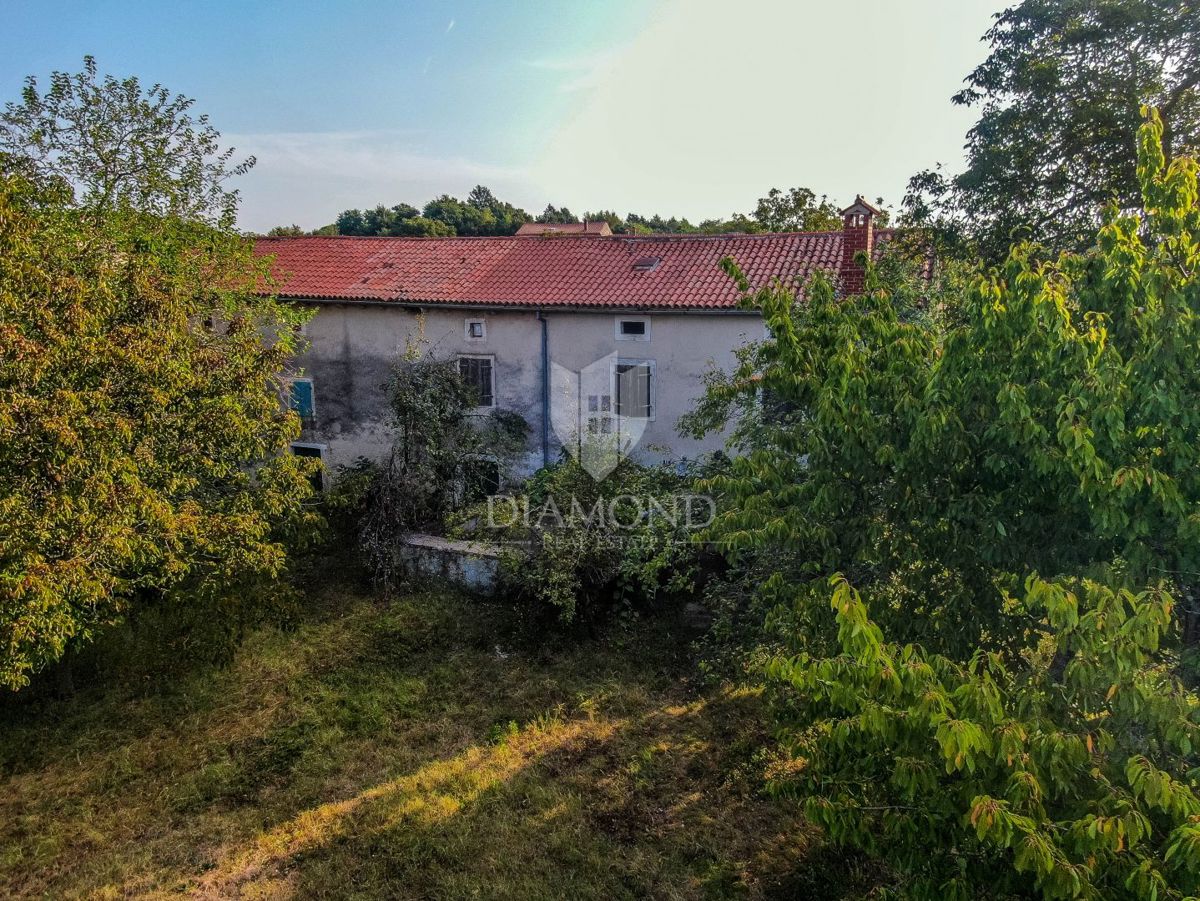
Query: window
[478, 373]
[316, 451]
[475, 330]
[633, 329]
[302, 400]
[634, 384]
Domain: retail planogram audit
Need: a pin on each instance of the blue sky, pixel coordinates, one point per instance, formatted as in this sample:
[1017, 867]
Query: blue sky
[681, 107]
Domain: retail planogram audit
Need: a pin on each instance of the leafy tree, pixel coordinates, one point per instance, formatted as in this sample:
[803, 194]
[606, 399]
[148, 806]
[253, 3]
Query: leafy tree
[115, 143]
[1068, 771]
[1059, 100]
[285, 231]
[615, 222]
[143, 461]
[553, 215]
[797, 210]
[482, 214]
[1042, 433]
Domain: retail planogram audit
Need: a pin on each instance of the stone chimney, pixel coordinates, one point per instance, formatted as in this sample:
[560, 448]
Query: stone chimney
[858, 234]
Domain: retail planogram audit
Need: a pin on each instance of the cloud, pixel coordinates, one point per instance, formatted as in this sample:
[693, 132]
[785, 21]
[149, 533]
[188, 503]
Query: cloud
[450, 26]
[309, 177]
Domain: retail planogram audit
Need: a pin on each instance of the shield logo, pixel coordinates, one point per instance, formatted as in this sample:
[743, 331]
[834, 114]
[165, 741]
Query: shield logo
[600, 412]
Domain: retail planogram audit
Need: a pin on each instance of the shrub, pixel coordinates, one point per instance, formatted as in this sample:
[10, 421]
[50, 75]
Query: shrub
[1072, 768]
[583, 545]
[433, 464]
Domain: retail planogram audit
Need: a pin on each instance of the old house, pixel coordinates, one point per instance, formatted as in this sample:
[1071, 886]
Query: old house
[650, 314]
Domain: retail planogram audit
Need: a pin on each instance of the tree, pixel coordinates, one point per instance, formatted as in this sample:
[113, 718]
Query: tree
[552, 215]
[115, 143]
[285, 231]
[1007, 502]
[143, 460]
[797, 210]
[1060, 96]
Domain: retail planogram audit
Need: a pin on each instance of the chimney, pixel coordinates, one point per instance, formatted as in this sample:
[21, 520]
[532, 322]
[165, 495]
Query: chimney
[858, 234]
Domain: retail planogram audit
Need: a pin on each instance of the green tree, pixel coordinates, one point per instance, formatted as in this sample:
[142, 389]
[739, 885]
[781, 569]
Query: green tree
[555, 216]
[1059, 100]
[285, 231]
[143, 460]
[115, 143]
[797, 210]
[1013, 491]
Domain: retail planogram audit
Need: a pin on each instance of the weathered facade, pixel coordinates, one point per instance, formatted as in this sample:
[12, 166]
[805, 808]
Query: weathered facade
[518, 311]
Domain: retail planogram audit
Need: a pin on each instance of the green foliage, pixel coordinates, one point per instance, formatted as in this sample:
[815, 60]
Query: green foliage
[1041, 430]
[1059, 100]
[1046, 425]
[553, 215]
[1071, 768]
[584, 544]
[437, 439]
[141, 456]
[797, 210]
[116, 144]
[482, 213]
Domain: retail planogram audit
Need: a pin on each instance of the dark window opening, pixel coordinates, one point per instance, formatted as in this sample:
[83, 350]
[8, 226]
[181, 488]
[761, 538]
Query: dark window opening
[633, 327]
[477, 373]
[317, 478]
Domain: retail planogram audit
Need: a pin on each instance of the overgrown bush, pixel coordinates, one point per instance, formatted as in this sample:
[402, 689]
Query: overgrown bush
[432, 467]
[578, 546]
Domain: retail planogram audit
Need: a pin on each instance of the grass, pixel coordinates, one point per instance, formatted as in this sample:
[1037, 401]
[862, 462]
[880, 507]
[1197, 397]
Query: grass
[396, 750]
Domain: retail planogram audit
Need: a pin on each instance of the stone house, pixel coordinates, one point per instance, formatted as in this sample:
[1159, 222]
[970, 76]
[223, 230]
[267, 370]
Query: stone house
[651, 314]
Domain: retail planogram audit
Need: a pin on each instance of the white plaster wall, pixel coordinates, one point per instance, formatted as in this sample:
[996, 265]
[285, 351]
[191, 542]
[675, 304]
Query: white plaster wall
[353, 347]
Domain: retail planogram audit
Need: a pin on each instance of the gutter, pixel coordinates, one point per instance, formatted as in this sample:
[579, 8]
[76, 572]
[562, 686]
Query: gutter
[418, 306]
[545, 390]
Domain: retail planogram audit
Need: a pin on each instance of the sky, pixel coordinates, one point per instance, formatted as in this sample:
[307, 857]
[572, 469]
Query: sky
[689, 108]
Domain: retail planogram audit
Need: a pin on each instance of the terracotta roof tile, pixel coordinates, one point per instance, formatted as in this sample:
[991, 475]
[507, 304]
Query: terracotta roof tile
[584, 271]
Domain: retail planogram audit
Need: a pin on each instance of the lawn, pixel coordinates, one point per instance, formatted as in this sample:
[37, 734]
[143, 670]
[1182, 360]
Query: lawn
[400, 749]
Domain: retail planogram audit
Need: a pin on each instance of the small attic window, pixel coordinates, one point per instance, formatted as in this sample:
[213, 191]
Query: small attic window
[646, 264]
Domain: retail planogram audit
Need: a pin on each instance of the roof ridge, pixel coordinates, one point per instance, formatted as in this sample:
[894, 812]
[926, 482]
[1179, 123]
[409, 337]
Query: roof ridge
[557, 237]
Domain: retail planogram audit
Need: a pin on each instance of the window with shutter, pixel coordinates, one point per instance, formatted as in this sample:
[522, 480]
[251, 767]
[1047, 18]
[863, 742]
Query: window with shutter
[302, 400]
[478, 373]
[634, 395]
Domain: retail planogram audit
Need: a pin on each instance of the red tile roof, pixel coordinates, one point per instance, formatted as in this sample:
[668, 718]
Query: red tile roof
[555, 271]
[564, 228]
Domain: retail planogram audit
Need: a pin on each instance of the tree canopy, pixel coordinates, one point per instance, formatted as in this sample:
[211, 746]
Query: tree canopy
[143, 459]
[1060, 96]
[482, 213]
[1005, 496]
[116, 143]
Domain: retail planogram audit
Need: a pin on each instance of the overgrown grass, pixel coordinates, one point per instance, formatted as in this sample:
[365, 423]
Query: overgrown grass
[399, 750]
